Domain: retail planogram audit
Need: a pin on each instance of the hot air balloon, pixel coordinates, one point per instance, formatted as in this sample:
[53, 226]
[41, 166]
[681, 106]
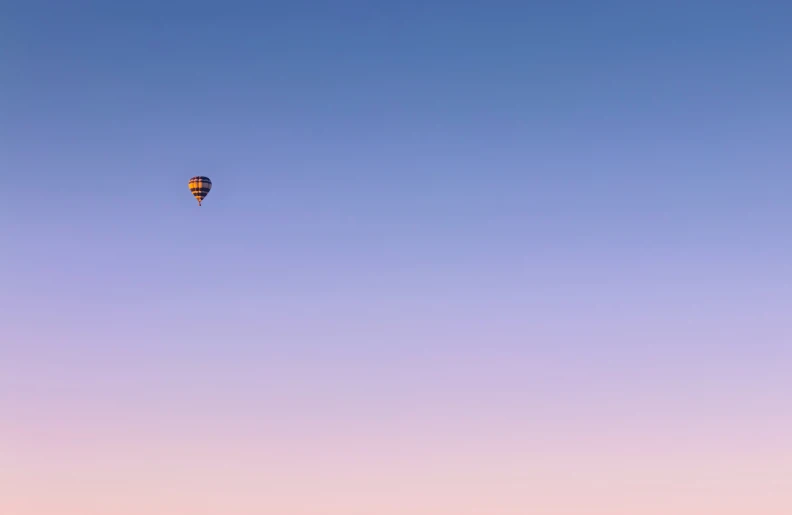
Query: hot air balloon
[200, 186]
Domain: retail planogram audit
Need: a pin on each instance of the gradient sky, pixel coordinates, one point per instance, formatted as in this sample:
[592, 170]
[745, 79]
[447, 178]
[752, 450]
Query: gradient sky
[460, 258]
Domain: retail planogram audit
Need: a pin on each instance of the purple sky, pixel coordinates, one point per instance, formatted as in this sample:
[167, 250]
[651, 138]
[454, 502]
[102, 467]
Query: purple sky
[458, 259]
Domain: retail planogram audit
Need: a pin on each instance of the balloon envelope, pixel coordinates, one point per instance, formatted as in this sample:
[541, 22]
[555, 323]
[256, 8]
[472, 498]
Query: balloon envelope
[200, 186]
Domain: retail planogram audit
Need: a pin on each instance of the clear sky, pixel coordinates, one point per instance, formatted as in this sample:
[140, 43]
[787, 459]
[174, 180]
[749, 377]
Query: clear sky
[460, 258]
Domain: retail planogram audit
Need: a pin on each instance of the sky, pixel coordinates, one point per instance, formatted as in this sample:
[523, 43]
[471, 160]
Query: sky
[460, 258]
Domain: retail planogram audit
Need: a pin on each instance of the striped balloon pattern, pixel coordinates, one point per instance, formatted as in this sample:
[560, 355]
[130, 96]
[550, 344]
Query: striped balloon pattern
[200, 186]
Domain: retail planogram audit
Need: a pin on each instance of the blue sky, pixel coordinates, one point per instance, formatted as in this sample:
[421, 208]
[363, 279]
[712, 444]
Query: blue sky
[369, 149]
[370, 134]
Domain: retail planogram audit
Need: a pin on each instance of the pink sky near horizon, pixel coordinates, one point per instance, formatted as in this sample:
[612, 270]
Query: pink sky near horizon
[434, 433]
